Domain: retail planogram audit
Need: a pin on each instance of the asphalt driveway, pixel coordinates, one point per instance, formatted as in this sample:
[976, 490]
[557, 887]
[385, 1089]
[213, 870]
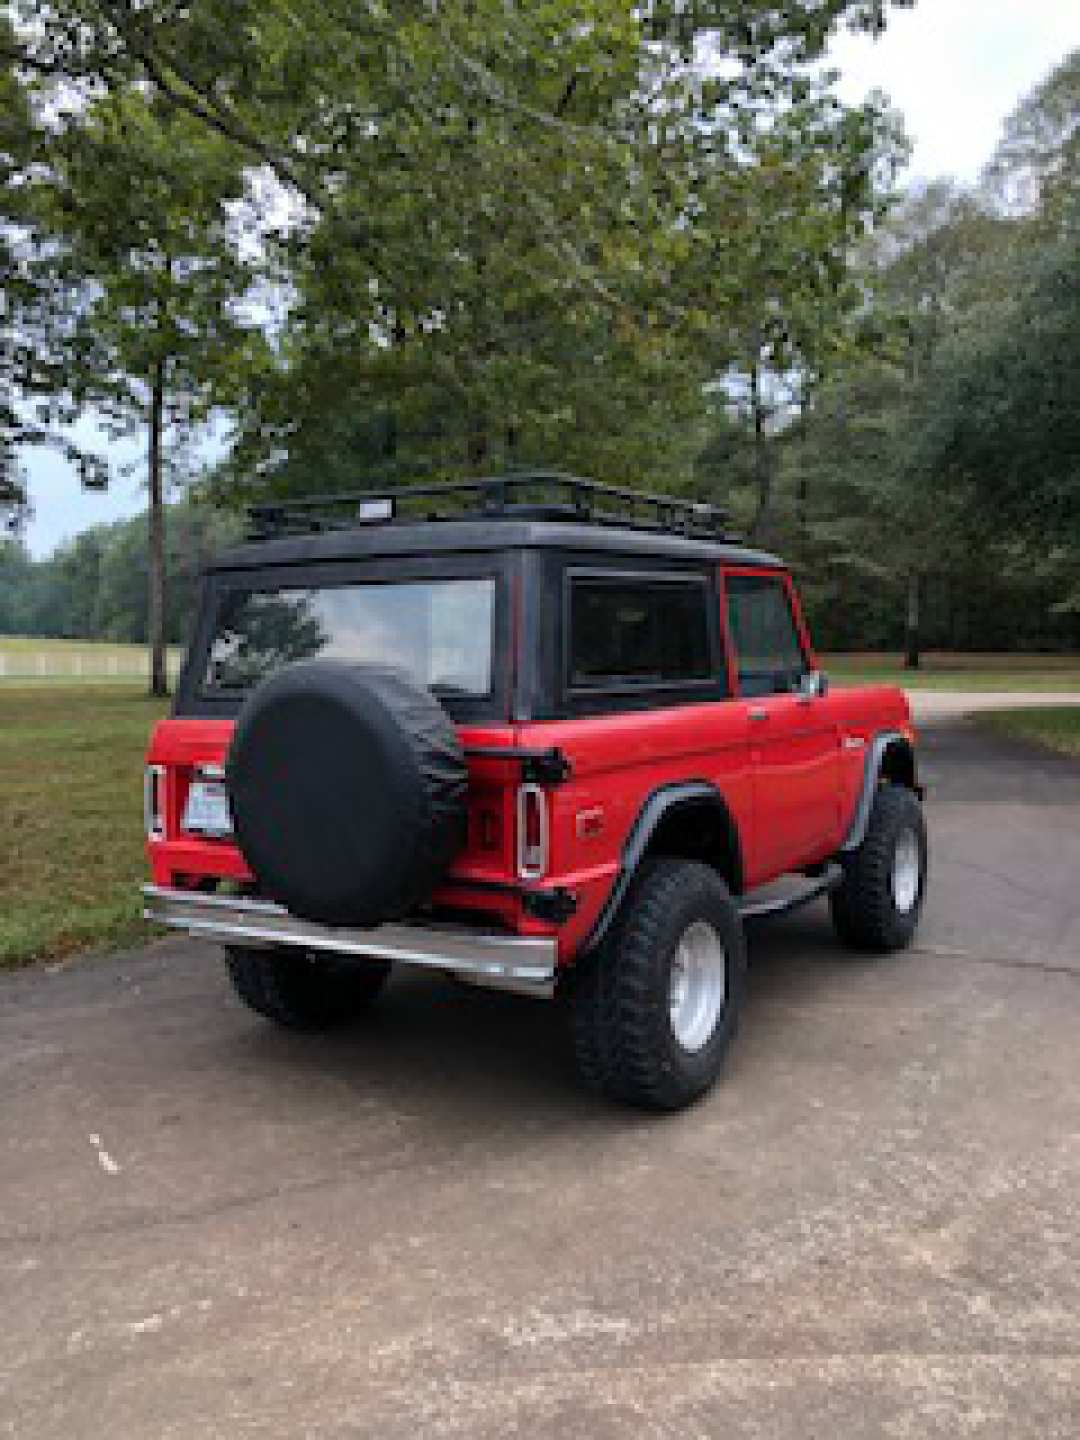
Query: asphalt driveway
[421, 1228]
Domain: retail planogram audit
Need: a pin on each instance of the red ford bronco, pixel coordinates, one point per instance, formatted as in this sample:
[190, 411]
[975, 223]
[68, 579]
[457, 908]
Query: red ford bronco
[534, 732]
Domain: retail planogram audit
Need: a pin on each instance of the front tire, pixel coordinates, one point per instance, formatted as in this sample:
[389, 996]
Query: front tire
[302, 991]
[657, 1005]
[879, 903]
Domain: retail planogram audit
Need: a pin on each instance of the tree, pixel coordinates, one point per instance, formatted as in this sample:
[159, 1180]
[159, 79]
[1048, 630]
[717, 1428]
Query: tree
[319, 102]
[95, 586]
[30, 404]
[869, 509]
[1036, 167]
[1003, 414]
[138, 201]
[774, 266]
[491, 202]
[16, 571]
[999, 417]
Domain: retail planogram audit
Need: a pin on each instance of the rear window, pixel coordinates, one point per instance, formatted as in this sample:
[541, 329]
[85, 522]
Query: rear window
[440, 631]
[638, 631]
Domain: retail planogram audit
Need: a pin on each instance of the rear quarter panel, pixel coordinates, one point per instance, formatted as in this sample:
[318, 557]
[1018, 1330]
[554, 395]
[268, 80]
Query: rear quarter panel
[617, 762]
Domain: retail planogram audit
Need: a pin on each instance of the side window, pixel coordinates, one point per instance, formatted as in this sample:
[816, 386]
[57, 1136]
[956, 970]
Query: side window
[767, 649]
[637, 630]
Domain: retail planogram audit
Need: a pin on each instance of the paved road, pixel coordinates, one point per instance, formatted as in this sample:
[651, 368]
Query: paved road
[420, 1228]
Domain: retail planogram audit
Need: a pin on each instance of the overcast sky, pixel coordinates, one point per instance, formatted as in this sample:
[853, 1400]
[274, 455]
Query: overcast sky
[955, 68]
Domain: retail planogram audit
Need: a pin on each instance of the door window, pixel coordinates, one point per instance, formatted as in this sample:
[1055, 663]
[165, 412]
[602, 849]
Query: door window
[768, 652]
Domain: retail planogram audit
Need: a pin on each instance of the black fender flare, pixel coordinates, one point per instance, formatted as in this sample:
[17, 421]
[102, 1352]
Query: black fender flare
[876, 752]
[659, 806]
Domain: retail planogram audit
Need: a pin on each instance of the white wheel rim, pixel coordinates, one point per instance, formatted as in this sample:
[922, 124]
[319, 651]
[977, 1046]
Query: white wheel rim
[697, 985]
[906, 872]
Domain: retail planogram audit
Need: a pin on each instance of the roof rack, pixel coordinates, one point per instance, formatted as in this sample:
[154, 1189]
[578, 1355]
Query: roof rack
[524, 494]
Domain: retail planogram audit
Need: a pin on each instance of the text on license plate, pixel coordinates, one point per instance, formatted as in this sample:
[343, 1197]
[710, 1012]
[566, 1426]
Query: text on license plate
[207, 808]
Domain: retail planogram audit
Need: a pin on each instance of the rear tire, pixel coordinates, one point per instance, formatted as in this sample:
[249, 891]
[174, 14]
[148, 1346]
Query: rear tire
[657, 1004]
[879, 902]
[302, 991]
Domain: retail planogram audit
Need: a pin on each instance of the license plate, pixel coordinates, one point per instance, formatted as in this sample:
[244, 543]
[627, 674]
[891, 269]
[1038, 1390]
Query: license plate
[207, 809]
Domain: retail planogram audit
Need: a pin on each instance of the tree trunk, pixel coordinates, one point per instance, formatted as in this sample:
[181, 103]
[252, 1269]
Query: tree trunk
[762, 469]
[802, 500]
[159, 677]
[477, 444]
[912, 653]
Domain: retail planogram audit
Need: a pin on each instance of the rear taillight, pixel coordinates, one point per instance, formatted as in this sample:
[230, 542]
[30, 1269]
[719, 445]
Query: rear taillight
[532, 833]
[154, 801]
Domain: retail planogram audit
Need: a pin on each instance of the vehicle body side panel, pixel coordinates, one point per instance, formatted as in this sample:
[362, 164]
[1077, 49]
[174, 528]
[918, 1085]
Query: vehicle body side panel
[617, 762]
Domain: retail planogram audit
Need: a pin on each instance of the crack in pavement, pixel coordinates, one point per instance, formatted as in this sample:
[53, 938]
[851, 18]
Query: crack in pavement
[1004, 962]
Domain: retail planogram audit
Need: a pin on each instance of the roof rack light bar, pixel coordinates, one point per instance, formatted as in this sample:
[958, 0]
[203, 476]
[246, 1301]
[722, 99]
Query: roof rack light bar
[525, 494]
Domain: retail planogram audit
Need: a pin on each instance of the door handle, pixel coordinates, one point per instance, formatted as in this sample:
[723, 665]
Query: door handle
[758, 713]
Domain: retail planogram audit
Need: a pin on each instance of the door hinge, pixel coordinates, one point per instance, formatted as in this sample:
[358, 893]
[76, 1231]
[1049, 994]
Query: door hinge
[545, 767]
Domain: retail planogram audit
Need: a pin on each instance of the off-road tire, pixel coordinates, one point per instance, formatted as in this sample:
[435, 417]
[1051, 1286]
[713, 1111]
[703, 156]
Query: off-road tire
[302, 991]
[864, 911]
[625, 1045]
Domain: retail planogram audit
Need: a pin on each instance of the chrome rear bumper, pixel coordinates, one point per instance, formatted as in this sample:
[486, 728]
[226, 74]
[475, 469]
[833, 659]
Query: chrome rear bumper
[522, 963]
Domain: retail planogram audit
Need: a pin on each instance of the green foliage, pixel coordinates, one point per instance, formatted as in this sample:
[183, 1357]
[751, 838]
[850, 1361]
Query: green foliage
[934, 472]
[563, 252]
[641, 241]
[1036, 168]
[15, 147]
[136, 201]
[31, 403]
[516, 233]
[1002, 412]
[942, 457]
[997, 417]
[95, 586]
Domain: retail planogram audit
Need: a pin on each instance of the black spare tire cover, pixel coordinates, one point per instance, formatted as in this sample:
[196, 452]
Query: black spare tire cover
[348, 791]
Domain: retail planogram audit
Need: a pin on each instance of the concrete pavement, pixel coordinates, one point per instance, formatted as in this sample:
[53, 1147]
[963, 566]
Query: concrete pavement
[421, 1228]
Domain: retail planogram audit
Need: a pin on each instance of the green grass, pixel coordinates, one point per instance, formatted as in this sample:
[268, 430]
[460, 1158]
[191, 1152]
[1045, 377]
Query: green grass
[71, 841]
[1054, 728]
[952, 671]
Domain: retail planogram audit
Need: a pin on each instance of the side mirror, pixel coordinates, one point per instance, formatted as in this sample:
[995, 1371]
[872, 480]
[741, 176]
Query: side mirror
[814, 684]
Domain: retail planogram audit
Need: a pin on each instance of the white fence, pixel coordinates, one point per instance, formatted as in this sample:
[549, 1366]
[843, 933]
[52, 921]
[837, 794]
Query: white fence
[91, 664]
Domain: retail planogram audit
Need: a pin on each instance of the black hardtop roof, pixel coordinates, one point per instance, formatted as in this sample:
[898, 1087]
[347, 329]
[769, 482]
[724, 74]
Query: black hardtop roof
[445, 537]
